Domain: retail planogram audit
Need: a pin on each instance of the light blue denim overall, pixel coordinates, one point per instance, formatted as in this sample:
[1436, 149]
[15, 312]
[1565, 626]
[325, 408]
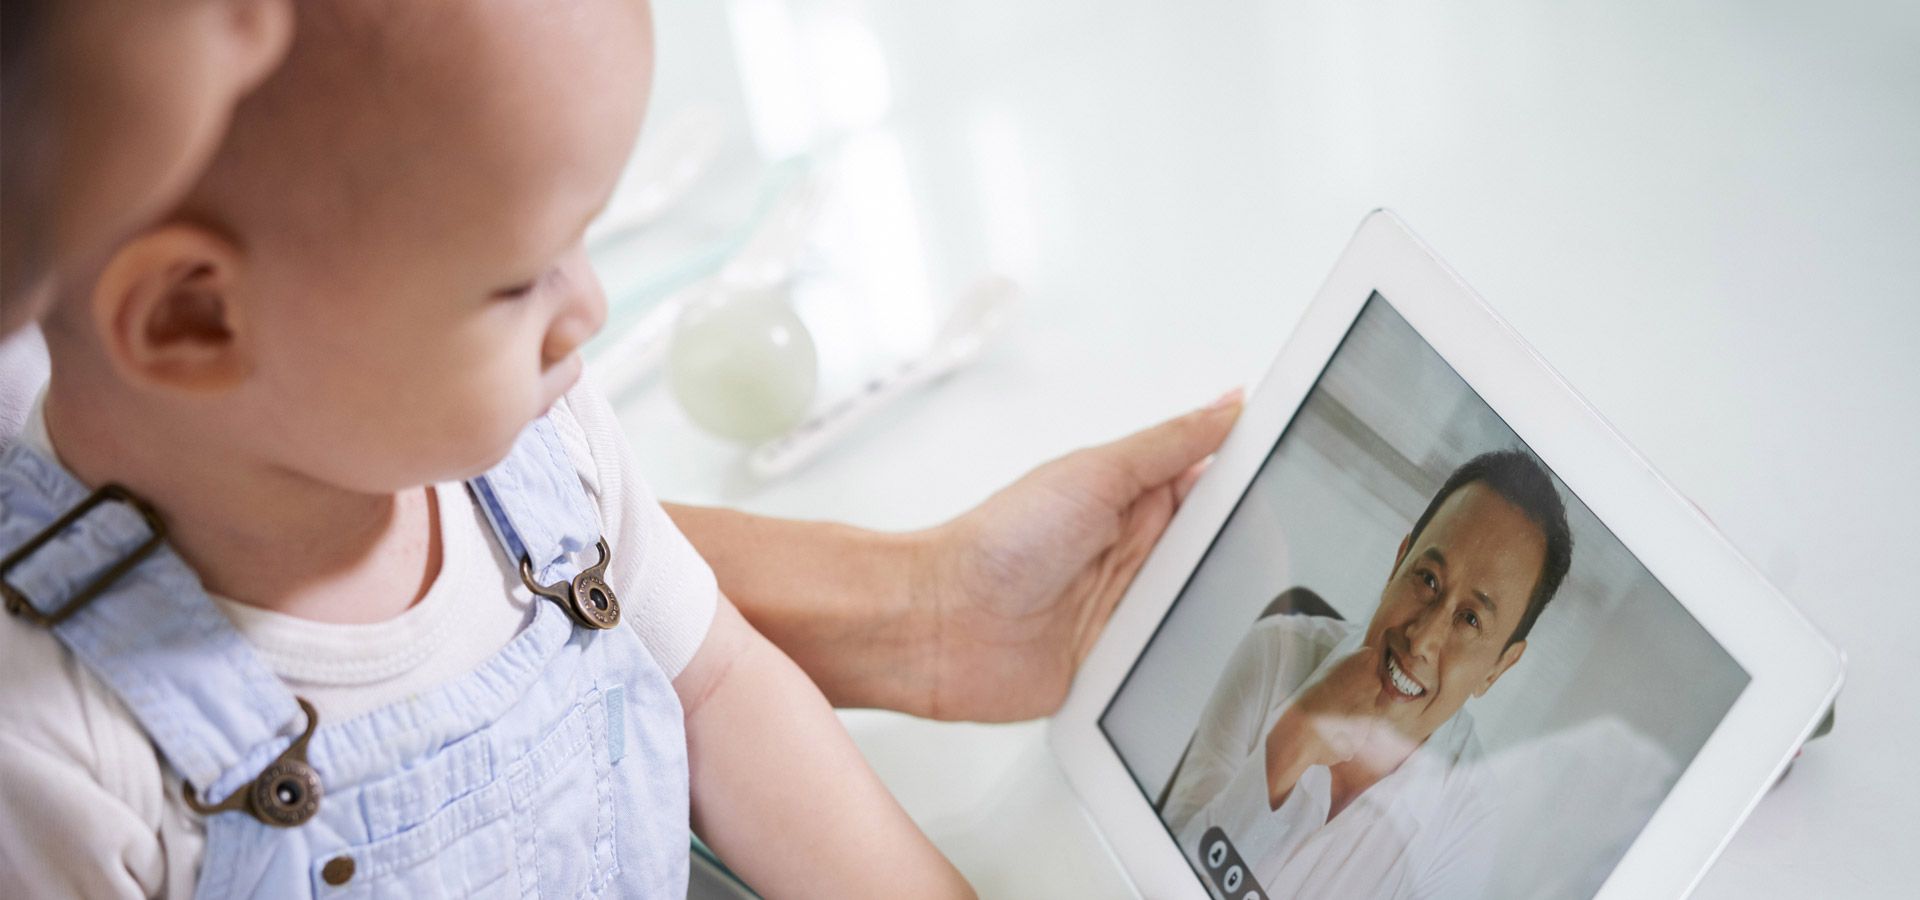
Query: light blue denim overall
[557, 769]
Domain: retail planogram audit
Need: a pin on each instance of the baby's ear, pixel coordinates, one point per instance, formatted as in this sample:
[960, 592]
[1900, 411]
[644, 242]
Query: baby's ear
[167, 310]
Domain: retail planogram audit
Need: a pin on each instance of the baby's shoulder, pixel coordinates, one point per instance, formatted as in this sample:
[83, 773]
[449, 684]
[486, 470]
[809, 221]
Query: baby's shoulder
[82, 782]
[44, 689]
[590, 433]
[83, 801]
[565, 418]
[55, 714]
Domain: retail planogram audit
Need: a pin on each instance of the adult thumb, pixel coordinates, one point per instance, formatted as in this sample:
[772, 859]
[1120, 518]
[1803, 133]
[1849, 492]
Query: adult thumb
[1155, 456]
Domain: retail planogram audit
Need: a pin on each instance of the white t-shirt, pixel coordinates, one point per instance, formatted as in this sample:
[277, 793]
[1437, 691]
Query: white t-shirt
[23, 372]
[88, 808]
[1421, 832]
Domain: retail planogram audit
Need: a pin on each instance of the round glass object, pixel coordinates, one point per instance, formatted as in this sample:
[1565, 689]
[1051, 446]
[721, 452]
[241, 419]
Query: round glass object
[742, 364]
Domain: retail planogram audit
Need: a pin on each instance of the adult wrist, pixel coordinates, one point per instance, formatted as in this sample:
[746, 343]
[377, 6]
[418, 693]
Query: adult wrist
[841, 601]
[861, 632]
[937, 563]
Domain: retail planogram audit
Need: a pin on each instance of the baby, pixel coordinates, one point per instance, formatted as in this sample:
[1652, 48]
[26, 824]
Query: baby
[416, 628]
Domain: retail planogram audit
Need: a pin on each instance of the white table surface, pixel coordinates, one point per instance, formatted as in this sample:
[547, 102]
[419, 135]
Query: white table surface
[1706, 215]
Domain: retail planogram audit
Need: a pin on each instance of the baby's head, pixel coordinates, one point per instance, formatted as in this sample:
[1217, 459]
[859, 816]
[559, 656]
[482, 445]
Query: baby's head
[108, 111]
[381, 280]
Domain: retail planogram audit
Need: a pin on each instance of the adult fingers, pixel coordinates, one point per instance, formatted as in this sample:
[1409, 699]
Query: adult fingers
[1183, 485]
[1145, 521]
[1157, 455]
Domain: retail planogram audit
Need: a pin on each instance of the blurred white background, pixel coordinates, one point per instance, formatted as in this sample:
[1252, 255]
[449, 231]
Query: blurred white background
[1704, 213]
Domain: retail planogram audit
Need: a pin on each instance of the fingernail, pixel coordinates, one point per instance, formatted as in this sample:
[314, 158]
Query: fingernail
[1230, 398]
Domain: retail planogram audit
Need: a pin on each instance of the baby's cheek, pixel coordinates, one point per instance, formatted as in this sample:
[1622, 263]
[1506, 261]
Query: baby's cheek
[492, 420]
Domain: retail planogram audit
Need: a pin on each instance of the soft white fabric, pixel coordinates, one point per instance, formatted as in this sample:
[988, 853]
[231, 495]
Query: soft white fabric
[1423, 831]
[23, 372]
[471, 610]
[86, 805]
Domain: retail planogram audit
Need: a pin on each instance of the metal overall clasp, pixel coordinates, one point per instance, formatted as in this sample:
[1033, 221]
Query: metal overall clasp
[588, 598]
[17, 602]
[285, 794]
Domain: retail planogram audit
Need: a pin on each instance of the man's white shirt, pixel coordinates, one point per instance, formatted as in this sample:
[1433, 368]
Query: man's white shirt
[1423, 831]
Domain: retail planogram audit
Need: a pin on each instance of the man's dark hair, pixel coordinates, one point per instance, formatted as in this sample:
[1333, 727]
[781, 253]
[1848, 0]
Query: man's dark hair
[1522, 481]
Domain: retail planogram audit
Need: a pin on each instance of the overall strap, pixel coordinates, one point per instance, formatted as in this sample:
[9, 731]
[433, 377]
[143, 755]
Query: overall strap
[151, 634]
[138, 617]
[543, 518]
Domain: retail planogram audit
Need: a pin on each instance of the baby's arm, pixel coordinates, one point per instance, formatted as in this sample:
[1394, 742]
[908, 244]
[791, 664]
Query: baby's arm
[778, 786]
[779, 789]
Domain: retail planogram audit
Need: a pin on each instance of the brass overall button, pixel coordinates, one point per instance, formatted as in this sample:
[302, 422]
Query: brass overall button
[337, 871]
[287, 793]
[594, 602]
[588, 598]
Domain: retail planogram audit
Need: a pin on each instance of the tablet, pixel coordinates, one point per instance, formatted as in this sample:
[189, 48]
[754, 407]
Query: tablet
[1429, 628]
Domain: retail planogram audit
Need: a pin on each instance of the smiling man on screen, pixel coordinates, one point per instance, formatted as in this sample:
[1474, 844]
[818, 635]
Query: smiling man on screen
[1339, 761]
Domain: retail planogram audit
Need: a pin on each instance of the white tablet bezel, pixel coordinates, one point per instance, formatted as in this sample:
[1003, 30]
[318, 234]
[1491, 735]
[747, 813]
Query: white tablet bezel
[1795, 671]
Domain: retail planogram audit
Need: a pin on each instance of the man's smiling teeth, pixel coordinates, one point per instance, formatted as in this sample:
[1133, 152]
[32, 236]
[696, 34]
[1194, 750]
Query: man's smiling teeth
[1401, 681]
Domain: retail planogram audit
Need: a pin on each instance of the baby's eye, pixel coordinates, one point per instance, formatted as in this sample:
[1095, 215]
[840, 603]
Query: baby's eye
[526, 288]
[1471, 618]
[517, 291]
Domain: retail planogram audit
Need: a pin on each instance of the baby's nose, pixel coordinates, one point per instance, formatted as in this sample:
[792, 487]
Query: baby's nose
[563, 339]
[579, 318]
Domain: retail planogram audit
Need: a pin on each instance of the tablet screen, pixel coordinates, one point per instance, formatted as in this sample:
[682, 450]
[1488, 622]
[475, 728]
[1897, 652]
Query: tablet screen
[1412, 663]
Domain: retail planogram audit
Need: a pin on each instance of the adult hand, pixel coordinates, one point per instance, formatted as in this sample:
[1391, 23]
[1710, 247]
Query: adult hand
[1021, 585]
[1329, 723]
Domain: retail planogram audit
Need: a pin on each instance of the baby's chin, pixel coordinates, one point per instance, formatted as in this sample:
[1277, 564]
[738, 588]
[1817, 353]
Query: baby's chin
[483, 463]
[445, 458]
[469, 459]
[497, 447]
